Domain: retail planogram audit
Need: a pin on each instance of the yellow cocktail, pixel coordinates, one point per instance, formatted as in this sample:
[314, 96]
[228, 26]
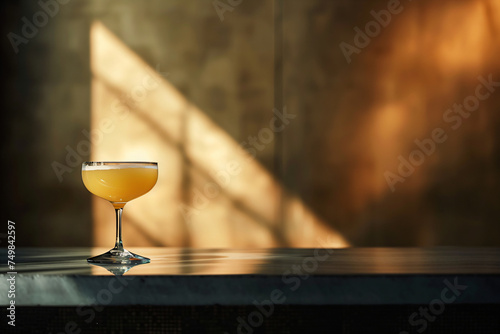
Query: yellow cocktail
[120, 185]
[119, 182]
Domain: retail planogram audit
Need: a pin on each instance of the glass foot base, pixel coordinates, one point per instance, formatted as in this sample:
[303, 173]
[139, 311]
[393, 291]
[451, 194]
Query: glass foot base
[115, 256]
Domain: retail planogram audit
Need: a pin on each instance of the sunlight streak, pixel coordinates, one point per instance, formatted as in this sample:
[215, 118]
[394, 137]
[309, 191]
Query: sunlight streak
[210, 192]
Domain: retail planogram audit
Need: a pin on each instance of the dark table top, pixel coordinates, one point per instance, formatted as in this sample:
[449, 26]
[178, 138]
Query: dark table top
[185, 261]
[181, 276]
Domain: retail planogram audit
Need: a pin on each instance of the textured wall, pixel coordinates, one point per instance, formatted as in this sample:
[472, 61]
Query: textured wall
[360, 117]
[357, 114]
[216, 100]
[46, 101]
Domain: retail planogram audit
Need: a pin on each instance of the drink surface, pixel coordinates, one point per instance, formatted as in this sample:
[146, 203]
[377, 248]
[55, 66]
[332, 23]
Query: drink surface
[121, 184]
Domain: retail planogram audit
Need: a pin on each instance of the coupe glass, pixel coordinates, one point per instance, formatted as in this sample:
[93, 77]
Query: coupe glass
[119, 183]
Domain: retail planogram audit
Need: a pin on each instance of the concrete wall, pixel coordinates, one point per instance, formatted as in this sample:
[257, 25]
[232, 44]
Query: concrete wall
[326, 174]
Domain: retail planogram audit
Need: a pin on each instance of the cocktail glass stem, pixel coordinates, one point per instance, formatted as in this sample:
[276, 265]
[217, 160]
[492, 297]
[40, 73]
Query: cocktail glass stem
[118, 243]
[118, 254]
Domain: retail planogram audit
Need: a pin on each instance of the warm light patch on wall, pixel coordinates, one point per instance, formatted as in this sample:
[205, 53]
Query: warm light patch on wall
[430, 54]
[210, 192]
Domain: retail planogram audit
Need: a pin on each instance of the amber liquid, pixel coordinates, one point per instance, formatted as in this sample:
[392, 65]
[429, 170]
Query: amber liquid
[120, 185]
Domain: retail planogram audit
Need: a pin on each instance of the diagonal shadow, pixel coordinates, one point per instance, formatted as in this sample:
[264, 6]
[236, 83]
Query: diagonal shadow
[150, 238]
[167, 138]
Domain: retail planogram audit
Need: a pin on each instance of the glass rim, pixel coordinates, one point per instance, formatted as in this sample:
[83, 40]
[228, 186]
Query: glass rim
[111, 163]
